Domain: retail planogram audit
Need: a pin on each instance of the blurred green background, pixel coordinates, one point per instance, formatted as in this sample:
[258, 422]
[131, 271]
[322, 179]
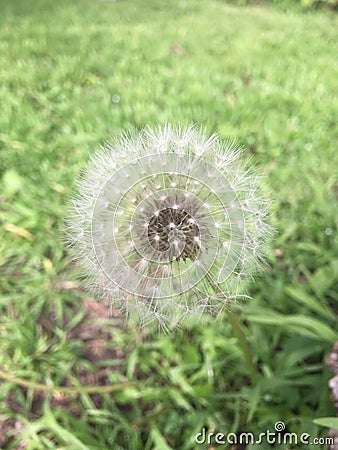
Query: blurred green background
[73, 73]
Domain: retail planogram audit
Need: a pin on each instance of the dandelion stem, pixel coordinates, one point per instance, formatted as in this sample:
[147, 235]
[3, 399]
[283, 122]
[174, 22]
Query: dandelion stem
[244, 346]
[236, 326]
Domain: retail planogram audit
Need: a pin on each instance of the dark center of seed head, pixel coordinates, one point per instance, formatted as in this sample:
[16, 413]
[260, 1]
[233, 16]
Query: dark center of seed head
[174, 230]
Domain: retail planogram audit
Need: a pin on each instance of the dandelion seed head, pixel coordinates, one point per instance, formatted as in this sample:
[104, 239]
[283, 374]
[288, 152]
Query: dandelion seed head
[162, 212]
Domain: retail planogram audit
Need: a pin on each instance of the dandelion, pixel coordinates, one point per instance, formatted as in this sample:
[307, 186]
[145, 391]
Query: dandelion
[168, 223]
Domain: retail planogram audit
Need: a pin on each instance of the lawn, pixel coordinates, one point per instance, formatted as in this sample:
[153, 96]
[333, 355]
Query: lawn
[72, 74]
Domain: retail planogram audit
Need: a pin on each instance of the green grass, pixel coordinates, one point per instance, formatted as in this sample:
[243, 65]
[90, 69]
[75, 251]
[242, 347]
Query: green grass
[265, 76]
